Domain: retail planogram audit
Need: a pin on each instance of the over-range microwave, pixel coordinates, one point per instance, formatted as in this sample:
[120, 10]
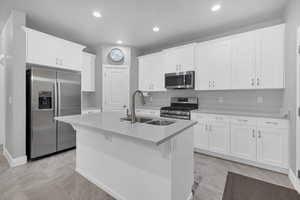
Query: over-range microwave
[181, 80]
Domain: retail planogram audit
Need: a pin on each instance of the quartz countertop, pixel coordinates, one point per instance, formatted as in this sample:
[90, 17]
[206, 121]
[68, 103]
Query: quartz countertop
[241, 113]
[111, 122]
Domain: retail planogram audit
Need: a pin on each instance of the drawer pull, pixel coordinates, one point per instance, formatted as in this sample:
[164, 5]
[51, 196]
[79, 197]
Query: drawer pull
[243, 120]
[273, 123]
[253, 133]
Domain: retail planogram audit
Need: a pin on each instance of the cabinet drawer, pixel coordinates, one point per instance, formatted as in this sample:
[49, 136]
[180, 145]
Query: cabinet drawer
[218, 118]
[247, 121]
[272, 123]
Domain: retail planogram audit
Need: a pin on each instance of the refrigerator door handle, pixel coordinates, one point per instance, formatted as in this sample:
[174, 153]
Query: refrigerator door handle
[58, 98]
[54, 101]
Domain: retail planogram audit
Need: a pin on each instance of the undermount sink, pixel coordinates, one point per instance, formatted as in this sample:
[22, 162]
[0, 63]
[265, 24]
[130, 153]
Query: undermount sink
[160, 122]
[150, 121]
[138, 119]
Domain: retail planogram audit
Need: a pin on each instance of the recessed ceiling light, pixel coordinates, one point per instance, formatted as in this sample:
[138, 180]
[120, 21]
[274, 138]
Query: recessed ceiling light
[155, 28]
[97, 14]
[119, 42]
[216, 7]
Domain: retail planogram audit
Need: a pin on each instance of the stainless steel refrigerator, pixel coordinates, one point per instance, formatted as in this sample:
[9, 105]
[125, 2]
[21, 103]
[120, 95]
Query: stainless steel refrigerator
[50, 93]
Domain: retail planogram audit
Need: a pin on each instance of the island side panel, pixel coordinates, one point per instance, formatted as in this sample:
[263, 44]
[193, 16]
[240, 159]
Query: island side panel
[183, 165]
[125, 168]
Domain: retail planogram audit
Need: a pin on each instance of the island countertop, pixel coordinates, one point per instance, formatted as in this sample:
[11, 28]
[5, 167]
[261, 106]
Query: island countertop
[112, 123]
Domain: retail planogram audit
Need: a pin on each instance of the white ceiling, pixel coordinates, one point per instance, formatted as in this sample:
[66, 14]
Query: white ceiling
[132, 20]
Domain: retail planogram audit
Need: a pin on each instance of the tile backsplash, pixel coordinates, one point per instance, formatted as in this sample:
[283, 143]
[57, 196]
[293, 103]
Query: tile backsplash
[268, 101]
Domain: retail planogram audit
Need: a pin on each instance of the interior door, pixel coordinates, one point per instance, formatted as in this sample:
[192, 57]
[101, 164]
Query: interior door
[69, 103]
[43, 131]
[115, 88]
[243, 141]
[243, 61]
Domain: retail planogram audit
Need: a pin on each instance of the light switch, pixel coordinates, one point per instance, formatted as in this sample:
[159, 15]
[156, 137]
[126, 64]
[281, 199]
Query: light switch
[260, 100]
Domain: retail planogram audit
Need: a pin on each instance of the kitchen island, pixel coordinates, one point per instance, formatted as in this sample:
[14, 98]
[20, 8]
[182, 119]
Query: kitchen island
[140, 161]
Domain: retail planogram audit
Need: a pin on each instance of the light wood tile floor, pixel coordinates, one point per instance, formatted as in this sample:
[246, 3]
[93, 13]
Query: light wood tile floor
[54, 178]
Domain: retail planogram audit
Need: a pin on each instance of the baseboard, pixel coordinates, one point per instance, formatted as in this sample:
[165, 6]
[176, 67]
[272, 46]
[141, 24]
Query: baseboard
[294, 180]
[14, 162]
[243, 161]
[104, 187]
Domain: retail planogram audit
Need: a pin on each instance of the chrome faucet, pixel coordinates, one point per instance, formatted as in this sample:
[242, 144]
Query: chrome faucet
[133, 117]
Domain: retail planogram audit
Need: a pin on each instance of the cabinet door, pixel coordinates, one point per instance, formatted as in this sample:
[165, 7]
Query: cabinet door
[270, 70]
[157, 75]
[145, 73]
[88, 72]
[243, 61]
[243, 141]
[219, 137]
[179, 59]
[201, 138]
[41, 48]
[272, 146]
[221, 65]
[203, 60]
[70, 55]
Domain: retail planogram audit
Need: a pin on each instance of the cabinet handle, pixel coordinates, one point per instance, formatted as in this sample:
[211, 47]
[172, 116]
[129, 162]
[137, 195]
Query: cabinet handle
[252, 82]
[243, 120]
[259, 134]
[253, 133]
[258, 82]
[209, 84]
[214, 84]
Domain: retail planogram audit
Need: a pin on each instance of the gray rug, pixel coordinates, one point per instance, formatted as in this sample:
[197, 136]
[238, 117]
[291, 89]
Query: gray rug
[240, 187]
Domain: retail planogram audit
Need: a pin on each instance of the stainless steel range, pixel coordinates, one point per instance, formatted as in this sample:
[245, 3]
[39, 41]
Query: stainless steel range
[180, 108]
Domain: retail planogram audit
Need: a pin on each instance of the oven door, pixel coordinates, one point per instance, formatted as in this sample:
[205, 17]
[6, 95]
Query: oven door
[182, 80]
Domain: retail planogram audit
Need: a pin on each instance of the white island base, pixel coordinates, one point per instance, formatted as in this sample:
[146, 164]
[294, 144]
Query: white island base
[131, 169]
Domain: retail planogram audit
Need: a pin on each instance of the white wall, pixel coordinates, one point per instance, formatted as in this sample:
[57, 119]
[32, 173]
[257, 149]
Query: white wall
[2, 98]
[15, 57]
[292, 22]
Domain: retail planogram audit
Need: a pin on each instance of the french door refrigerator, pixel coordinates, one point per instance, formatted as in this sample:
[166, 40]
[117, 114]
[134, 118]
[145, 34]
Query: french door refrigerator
[50, 93]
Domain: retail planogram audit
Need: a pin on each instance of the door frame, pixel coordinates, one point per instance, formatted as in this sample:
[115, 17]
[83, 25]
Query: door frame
[105, 66]
[2, 101]
[297, 181]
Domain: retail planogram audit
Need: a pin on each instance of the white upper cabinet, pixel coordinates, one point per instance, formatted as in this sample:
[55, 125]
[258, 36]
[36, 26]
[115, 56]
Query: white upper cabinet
[151, 75]
[47, 50]
[179, 59]
[243, 61]
[213, 62]
[88, 72]
[251, 60]
[270, 57]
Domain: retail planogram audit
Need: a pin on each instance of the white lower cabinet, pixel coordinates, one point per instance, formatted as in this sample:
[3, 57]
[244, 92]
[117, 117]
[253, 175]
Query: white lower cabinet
[272, 145]
[260, 141]
[243, 142]
[219, 137]
[201, 137]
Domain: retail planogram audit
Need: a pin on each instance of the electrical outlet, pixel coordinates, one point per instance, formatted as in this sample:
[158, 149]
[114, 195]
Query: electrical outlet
[260, 100]
[221, 100]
